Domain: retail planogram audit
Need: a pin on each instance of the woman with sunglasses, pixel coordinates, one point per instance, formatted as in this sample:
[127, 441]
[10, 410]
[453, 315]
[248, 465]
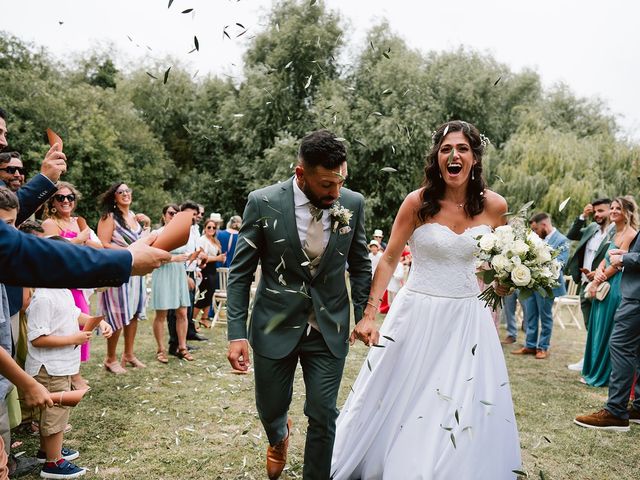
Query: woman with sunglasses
[211, 247]
[122, 306]
[170, 291]
[59, 220]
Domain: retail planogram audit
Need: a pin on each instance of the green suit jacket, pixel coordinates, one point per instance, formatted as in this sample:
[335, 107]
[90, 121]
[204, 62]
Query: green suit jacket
[287, 292]
[583, 234]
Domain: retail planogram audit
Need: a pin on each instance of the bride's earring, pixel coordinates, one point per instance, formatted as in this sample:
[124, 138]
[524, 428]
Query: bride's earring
[473, 172]
[440, 174]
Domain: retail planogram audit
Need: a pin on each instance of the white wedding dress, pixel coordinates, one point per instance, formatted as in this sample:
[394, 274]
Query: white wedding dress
[435, 402]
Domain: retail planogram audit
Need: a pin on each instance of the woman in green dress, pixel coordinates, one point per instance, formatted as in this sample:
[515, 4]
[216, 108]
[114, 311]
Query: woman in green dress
[597, 365]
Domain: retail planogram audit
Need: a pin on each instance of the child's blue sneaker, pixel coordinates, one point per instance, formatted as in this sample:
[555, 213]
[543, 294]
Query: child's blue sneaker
[66, 453]
[63, 469]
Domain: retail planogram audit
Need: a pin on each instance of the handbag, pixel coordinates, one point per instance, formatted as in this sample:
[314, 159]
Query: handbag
[601, 291]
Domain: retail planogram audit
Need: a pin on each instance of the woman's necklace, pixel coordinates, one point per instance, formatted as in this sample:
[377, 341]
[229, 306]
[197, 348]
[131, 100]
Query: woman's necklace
[619, 235]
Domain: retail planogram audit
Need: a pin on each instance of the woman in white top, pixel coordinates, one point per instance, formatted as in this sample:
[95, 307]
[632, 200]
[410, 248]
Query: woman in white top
[211, 247]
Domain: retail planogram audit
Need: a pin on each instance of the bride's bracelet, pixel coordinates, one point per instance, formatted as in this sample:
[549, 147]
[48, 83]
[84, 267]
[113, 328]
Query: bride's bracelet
[374, 306]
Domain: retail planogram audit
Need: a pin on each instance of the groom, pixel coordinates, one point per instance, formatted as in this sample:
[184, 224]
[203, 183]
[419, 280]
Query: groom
[304, 232]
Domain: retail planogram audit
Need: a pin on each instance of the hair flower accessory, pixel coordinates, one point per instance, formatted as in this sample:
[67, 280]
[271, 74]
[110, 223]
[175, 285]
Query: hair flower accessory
[339, 215]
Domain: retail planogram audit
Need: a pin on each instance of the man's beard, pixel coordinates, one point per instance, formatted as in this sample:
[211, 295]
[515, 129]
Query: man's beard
[602, 221]
[318, 202]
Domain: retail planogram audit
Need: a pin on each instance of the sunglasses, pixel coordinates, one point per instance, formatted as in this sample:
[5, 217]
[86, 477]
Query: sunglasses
[171, 213]
[61, 198]
[13, 170]
[123, 191]
[211, 227]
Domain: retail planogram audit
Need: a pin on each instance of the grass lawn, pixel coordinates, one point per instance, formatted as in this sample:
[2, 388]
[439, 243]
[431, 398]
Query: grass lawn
[197, 420]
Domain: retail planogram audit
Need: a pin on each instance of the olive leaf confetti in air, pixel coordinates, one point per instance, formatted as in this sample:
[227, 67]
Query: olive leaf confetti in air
[388, 169]
[564, 204]
[166, 75]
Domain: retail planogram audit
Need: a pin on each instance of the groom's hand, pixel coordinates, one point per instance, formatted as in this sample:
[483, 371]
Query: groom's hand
[366, 330]
[238, 355]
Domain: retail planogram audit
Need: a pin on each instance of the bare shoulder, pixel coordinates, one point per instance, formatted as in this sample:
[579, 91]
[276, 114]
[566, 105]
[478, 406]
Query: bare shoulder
[414, 199]
[495, 206]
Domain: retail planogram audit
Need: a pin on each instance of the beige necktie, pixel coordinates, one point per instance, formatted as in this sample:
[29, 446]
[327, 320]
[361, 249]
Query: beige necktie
[315, 233]
[313, 248]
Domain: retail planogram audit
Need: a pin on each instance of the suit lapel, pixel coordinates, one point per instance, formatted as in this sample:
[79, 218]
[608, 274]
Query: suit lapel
[291, 228]
[328, 251]
[585, 238]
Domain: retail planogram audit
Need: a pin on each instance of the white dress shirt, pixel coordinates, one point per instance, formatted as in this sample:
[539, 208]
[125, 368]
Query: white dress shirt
[192, 246]
[52, 311]
[303, 215]
[590, 249]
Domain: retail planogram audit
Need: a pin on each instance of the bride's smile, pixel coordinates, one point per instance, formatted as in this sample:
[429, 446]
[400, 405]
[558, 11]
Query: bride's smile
[455, 158]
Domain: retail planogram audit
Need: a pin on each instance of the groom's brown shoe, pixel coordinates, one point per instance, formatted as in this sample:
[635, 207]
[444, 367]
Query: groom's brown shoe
[277, 455]
[524, 351]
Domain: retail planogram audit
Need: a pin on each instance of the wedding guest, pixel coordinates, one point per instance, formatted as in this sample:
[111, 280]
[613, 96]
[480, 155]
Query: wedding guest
[229, 238]
[123, 306]
[60, 220]
[377, 236]
[12, 170]
[597, 364]
[169, 290]
[211, 247]
[52, 358]
[593, 240]
[624, 349]
[33, 227]
[374, 255]
[538, 308]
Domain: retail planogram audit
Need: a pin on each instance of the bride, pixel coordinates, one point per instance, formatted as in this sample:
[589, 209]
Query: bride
[432, 401]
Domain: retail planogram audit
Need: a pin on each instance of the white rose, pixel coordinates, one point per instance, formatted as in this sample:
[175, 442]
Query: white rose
[519, 247]
[504, 234]
[555, 269]
[521, 276]
[500, 263]
[546, 272]
[534, 238]
[487, 242]
[543, 253]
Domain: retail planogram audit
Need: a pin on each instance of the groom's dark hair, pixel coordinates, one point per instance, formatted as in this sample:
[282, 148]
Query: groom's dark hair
[322, 148]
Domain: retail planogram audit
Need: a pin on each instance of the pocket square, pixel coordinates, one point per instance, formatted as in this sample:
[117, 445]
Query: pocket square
[344, 230]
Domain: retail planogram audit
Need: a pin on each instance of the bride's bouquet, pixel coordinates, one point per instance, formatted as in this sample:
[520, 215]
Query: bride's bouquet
[514, 256]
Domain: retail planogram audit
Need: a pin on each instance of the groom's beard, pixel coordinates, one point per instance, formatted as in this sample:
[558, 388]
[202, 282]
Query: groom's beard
[319, 202]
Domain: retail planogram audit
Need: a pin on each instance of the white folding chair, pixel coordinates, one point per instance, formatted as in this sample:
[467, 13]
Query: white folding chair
[220, 296]
[569, 302]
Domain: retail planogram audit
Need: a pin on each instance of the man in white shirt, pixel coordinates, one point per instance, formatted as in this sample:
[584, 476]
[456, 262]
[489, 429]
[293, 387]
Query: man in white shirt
[374, 255]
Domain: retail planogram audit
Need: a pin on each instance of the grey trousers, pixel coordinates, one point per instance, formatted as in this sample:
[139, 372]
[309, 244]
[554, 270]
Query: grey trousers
[624, 347]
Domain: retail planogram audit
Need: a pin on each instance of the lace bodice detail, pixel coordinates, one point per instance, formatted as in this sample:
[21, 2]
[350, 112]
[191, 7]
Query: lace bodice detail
[443, 262]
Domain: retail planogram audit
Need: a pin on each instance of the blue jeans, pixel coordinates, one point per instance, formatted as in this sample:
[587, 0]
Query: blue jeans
[537, 311]
[509, 309]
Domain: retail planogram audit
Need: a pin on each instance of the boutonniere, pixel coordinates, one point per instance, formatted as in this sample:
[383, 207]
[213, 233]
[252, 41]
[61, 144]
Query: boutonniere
[339, 215]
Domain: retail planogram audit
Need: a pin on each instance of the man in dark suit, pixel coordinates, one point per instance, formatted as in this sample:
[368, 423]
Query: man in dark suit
[593, 241]
[304, 232]
[624, 347]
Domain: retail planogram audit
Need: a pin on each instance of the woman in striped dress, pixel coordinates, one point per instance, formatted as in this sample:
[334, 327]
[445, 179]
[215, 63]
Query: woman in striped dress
[122, 306]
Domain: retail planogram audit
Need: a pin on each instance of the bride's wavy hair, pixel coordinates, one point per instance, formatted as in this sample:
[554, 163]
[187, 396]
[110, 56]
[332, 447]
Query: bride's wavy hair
[433, 183]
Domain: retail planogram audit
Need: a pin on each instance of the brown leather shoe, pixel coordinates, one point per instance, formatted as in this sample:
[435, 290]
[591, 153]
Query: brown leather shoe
[603, 420]
[524, 351]
[542, 354]
[634, 416]
[277, 455]
[508, 340]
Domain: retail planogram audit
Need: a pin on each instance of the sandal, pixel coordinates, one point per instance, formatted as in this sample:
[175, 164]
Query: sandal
[184, 354]
[161, 356]
[204, 323]
[114, 367]
[132, 362]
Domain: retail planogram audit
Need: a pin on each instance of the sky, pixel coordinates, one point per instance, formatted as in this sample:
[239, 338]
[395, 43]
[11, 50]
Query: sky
[590, 45]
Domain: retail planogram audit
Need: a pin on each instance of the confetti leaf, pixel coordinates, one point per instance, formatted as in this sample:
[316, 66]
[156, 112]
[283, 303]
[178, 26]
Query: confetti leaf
[369, 364]
[273, 323]
[473, 349]
[288, 64]
[498, 80]
[152, 76]
[251, 244]
[457, 417]
[308, 82]
[387, 91]
[520, 472]
[564, 204]
[312, 3]
[388, 169]
[196, 43]
[388, 338]
[487, 403]
[526, 206]
[453, 439]
[241, 26]
[166, 76]
[188, 10]
[360, 142]
[170, 2]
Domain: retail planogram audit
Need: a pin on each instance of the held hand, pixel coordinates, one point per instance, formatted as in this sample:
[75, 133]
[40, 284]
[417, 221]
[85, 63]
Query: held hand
[590, 275]
[238, 355]
[80, 337]
[366, 331]
[616, 260]
[145, 257]
[600, 276]
[36, 395]
[191, 283]
[105, 329]
[592, 290]
[181, 257]
[54, 163]
[221, 258]
[588, 210]
[502, 290]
